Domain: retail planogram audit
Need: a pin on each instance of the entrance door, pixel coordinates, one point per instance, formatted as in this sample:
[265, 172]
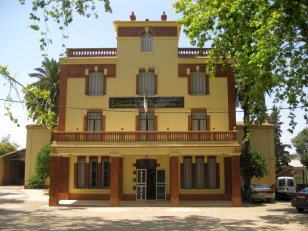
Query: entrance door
[141, 187]
[160, 184]
[151, 184]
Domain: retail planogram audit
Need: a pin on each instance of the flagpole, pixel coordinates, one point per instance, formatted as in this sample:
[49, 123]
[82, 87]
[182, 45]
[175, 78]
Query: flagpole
[145, 105]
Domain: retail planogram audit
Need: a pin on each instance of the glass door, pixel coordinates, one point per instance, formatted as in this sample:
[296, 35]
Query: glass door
[160, 184]
[141, 186]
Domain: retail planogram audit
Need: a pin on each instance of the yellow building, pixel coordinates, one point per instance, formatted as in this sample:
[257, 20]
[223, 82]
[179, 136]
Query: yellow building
[143, 121]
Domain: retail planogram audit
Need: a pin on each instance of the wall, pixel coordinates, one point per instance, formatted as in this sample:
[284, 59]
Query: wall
[263, 140]
[37, 137]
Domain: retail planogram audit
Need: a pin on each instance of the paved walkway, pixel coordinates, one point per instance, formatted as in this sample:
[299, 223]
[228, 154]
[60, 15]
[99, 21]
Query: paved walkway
[25, 209]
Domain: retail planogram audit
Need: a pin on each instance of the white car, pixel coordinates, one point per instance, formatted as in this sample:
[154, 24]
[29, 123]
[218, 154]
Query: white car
[285, 187]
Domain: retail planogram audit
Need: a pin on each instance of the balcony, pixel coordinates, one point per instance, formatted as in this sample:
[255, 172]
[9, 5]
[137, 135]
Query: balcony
[138, 136]
[193, 52]
[112, 52]
[92, 52]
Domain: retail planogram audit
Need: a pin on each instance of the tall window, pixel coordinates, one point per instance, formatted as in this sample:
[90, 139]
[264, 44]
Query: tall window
[105, 173]
[96, 83]
[81, 173]
[198, 83]
[187, 172]
[146, 121]
[93, 173]
[146, 42]
[94, 121]
[199, 172]
[212, 172]
[146, 83]
[198, 121]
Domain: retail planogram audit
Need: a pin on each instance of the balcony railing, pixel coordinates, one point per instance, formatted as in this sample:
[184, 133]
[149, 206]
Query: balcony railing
[143, 136]
[112, 52]
[92, 52]
[192, 52]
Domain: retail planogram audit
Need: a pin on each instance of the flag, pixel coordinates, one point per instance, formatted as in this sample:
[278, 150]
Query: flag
[145, 103]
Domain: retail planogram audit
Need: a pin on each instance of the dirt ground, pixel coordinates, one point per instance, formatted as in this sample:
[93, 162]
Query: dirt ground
[25, 209]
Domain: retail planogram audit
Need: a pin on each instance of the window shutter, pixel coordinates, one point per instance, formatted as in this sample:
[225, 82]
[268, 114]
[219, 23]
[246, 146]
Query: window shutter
[85, 126]
[189, 123]
[206, 180]
[155, 123]
[104, 85]
[137, 84]
[217, 176]
[99, 175]
[87, 175]
[193, 174]
[208, 123]
[189, 85]
[87, 85]
[155, 84]
[103, 122]
[137, 122]
[207, 87]
[75, 175]
[182, 174]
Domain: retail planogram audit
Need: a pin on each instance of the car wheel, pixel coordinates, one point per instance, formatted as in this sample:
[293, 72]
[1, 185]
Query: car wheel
[300, 210]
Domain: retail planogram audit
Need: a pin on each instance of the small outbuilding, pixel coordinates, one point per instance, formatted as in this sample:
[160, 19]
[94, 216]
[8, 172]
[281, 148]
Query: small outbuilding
[12, 168]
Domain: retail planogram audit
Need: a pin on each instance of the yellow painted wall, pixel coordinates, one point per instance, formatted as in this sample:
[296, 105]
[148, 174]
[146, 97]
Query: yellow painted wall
[164, 59]
[37, 137]
[263, 140]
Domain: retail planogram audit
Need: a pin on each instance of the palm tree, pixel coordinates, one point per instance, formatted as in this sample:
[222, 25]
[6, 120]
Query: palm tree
[48, 76]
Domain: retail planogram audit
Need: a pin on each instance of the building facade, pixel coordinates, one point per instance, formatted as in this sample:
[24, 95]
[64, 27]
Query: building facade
[143, 121]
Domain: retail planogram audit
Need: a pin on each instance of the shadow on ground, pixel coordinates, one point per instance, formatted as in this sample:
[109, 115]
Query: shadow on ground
[21, 220]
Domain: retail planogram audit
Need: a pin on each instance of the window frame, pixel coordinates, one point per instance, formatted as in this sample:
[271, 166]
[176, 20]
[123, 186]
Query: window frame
[93, 172]
[140, 91]
[146, 42]
[81, 174]
[103, 84]
[196, 89]
[149, 118]
[105, 160]
[86, 121]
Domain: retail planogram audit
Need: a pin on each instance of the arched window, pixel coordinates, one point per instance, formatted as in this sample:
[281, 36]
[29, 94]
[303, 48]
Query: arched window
[146, 42]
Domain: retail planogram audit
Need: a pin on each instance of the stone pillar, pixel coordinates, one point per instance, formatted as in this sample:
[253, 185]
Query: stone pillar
[174, 181]
[236, 181]
[54, 180]
[115, 181]
[59, 179]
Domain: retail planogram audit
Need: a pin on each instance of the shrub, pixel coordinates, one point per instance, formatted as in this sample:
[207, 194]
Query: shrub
[36, 182]
[42, 162]
[41, 168]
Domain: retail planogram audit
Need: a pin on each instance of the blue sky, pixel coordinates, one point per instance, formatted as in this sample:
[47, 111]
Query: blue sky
[20, 50]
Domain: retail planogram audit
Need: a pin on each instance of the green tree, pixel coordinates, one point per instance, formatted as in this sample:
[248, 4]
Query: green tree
[282, 156]
[268, 43]
[258, 166]
[42, 97]
[6, 146]
[300, 142]
[61, 12]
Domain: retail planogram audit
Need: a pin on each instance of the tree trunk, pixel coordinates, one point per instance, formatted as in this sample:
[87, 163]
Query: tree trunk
[246, 158]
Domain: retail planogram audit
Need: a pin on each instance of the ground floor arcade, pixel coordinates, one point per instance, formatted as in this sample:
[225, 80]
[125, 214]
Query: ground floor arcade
[173, 177]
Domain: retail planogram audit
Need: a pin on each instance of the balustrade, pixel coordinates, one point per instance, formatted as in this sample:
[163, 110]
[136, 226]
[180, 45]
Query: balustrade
[144, 136]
